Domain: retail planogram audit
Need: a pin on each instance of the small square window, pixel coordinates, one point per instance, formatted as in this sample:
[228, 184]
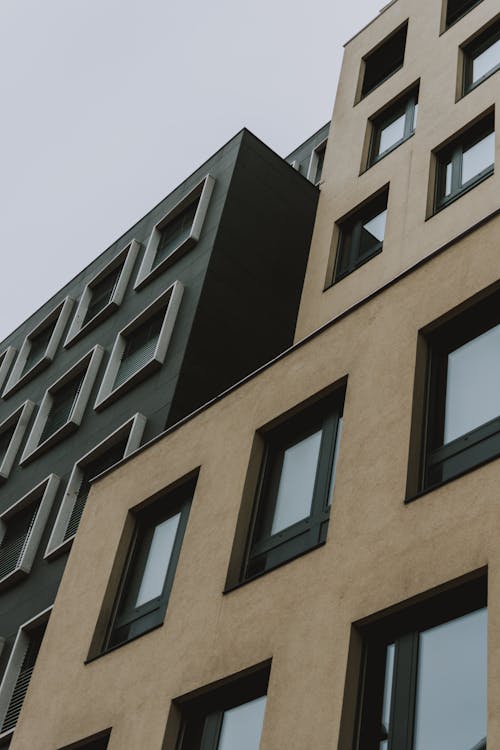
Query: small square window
[315, 170]
[393, 126]
[151, 565]
[297, 478]
[383, 61]
[455, 9]
[361, 235]
[481, 57]
[465, 162]
[423, 682]
[12, 432]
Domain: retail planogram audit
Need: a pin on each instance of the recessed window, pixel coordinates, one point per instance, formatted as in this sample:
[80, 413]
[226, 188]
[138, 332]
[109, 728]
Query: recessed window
[150, 569]
[39, 347]
[103, 294]
[455, 9]
[141, 347]
[315, 170]
[393, 126]
[63, 405]
[481, 57]
[18, 672]
[176, 232]
[6, 359]
[112, 449]
[12, 432]
[382, 62]
[99, 742]
[298, 475]
[424, 676]
[361, 236]
[465, 162]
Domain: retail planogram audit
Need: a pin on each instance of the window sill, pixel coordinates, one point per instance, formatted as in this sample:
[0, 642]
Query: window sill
[102, 315]
[56, 437]
[145, 371]
[110, 650]
[375, 160]
[351, 270]
[465, 189]
[176, 254]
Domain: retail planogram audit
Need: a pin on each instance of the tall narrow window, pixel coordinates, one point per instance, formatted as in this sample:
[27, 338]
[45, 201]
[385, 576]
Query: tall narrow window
[101, 293]
[31, 648]
[38, 346]
[17, 531]
[175, 232]
[361, 236]
[139, 348]
[63, 403]
[393, 126]
[384, 60]
[12, 431]
[481, 57]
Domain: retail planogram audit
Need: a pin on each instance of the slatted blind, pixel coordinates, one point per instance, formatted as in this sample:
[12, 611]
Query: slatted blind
[62, 405]
[91, 470]
[5, 439]
[175, 232]
[38, 346]
[23, 679]
[140, 347]
[101, 293]
[17, 533]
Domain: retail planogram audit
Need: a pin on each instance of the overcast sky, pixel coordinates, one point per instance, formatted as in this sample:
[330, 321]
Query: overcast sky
[107, 105]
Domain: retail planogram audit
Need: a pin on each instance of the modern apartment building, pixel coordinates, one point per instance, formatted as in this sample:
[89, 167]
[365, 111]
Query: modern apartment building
[311, 558]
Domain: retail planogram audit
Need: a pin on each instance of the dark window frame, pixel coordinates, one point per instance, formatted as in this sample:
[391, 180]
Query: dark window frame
[458, 14]
[405, 105]
[371, 59]
[481, 42]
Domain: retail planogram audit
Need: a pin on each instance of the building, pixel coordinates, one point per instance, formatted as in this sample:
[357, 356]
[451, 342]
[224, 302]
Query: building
[310, 558]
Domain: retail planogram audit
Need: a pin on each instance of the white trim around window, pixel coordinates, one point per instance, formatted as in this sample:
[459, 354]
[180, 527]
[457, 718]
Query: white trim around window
[170, 299]
[44, 494]
[202, 191]
[20, 417]
[126, 259]
[17, 377]
[314, 160]
[90, 365]
[131, 430]
[15, 663]
[6, 359]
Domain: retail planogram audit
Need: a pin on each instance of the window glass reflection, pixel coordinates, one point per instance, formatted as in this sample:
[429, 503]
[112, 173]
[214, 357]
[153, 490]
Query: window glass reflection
[242, 726]
[391, 134]
[486, 61]
[478, 157]
[158, 560]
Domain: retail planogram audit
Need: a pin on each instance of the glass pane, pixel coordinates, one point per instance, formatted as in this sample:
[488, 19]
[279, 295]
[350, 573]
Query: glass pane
[451, 692]
[376, 227]
[392, 134]
[472, 392]
[335, 459]
[486, 61]
[296, 486]
[388, 680]
[158, 560]
[478, 157]
[242, 726]
[447, 188]
[415, 115]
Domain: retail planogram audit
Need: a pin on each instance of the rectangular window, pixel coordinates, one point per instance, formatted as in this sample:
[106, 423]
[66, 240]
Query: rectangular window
[62, 404]
[297, 479]
[101, 293]
[393, 126]
[315, 170]
[361, 235]
[38, 346]
[481, 57]
[139, 347]
[455, 9]
[382, 62]
[175, 232]
[465, 162]
[424, 676]
[12, 432]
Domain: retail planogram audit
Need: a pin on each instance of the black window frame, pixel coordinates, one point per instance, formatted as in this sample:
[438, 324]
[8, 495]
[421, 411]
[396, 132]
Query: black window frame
[372, 60]
[450, 19]
[403, 629]
[453, 152]
[406, 106]
[266, 551]
[481, 42]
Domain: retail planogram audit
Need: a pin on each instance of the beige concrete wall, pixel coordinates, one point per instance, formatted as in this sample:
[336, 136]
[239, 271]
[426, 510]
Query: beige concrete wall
[432, 59]
[379, 551]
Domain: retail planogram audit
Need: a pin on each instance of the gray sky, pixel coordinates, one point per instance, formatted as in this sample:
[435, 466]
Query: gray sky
[107, 105]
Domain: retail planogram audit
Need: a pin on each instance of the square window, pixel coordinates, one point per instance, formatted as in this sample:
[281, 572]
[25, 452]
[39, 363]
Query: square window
[383, 61]
[297, 479]
[481, 57]
[394, 125]
[226, 716]
[361, 235]
[423, 682]
[465, 162]
[150, 568]
[12, 432]
[455, 9]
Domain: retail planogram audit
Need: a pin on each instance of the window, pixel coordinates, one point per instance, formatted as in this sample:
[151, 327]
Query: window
[12, 432]
[150, 569]
[361, 235]
[295, 494]
[455, 9]
[393, 126]
[39, 347]
[18, 672]
[6, 359]
[315, 170]
[141, 347]
[424, 676]
[383, 61]
[104, 294]
[116, 446]
[481, 57]
[176, 232]
[97, 742]
[227, 716]
[463, 163]
[63, 405]
[21, 528]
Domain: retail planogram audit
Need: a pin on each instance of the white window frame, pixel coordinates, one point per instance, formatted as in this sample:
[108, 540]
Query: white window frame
[6, 359]
[313, 161]
[134, 429]
[22, 416]
[90, 364]
[45, 491]
[107, 392]
[15, 662]
[203, 190]
[125, 258]
[17, 378]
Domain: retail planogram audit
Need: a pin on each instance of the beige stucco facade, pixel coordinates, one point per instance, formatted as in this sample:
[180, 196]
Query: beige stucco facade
[380, 552]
